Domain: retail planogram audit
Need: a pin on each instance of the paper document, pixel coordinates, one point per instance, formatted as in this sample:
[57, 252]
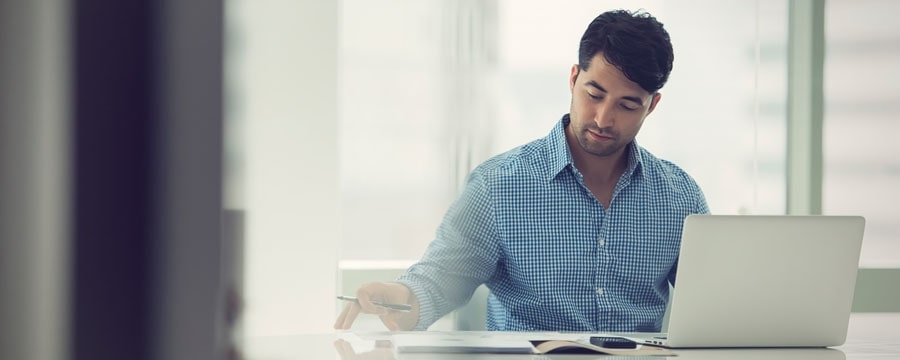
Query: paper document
[505, 343]
[460, 343]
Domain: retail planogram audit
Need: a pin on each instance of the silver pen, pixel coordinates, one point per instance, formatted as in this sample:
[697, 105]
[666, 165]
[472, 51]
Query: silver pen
[395, 307]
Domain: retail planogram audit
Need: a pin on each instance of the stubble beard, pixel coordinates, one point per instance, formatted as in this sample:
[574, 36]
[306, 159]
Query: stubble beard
[594, 148]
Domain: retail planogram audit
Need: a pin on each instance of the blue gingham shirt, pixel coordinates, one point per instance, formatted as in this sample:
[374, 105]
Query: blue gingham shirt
[552, 256]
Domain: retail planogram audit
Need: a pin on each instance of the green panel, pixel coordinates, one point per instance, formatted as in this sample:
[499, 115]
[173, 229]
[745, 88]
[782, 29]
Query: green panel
[877, 290]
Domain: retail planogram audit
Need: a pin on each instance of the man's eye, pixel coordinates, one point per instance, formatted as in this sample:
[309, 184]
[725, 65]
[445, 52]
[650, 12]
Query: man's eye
[629, 108]
[595, 97]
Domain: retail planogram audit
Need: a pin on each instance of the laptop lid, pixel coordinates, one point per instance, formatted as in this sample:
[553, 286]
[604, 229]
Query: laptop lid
[765, 281]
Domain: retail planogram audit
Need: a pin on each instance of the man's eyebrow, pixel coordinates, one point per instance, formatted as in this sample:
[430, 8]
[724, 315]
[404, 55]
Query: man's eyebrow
[629, 98]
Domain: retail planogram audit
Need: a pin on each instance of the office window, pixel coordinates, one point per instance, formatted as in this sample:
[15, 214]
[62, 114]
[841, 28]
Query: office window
[430, 89]
[861, 163]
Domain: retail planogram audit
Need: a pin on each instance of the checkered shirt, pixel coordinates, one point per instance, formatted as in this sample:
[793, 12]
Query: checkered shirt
[552, 256]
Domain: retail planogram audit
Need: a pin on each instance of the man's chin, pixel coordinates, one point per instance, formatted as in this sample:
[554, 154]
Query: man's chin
[604, 151]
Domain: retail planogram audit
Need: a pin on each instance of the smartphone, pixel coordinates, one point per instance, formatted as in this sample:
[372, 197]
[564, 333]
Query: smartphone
[613, 342]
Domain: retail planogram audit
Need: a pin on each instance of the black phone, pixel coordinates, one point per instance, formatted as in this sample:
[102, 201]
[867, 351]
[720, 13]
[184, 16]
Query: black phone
[613, 342]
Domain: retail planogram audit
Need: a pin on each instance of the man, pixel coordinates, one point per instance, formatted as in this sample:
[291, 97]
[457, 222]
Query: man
[577, 231]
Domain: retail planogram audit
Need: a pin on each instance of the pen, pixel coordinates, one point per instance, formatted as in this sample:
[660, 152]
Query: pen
[395, 307]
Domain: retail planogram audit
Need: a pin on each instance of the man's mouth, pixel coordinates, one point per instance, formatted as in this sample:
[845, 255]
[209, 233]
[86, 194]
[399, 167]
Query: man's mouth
[600, 136]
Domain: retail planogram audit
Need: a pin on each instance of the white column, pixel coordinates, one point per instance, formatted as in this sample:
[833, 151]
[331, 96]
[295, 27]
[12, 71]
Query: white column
[283, 68]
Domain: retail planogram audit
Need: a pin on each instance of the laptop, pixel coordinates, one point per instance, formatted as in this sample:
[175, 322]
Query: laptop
[762, 281]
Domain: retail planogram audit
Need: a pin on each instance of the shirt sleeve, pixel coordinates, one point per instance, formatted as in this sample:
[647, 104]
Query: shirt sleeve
[699, 206]
[463, 255]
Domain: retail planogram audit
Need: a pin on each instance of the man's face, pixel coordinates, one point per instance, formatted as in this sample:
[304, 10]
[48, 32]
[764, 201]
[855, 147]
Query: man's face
[608, 109]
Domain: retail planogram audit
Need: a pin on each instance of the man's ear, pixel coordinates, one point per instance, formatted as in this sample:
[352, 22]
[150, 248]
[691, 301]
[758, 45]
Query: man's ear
[653, 102]
[573, 76]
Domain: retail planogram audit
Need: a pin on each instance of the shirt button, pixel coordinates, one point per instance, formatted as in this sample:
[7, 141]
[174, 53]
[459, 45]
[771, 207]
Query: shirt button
[601, 242]
[600, 291]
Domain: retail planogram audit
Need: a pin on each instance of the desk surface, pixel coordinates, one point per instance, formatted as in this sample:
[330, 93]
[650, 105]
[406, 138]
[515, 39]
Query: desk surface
[870, 336]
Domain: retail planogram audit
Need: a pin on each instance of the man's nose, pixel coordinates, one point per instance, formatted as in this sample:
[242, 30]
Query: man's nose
[605, 115]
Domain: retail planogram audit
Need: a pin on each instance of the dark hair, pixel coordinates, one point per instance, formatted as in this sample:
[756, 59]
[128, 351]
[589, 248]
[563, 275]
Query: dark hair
[633, 42]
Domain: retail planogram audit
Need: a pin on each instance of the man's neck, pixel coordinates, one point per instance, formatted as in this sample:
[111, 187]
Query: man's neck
[600, 169]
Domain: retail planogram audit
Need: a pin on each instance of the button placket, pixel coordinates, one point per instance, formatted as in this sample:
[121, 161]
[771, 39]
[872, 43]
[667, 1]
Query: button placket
[602, 251]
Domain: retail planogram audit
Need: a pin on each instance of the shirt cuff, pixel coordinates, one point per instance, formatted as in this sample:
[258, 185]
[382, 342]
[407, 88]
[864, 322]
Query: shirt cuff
[426, 306]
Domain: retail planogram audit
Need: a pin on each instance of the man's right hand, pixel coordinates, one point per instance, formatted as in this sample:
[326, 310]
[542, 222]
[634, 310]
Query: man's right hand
[384, 292]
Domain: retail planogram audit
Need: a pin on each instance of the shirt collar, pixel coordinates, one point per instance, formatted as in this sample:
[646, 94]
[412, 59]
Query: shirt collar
[560, 156]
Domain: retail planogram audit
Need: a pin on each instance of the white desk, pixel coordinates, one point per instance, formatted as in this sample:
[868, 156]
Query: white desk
[870, 337]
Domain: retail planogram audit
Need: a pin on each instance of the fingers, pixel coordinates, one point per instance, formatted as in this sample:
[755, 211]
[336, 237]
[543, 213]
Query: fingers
[387, 316]
[384, 292]
[390, 322]
[346, 318]
[352, 310]
[365, 302]
[339, 322]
